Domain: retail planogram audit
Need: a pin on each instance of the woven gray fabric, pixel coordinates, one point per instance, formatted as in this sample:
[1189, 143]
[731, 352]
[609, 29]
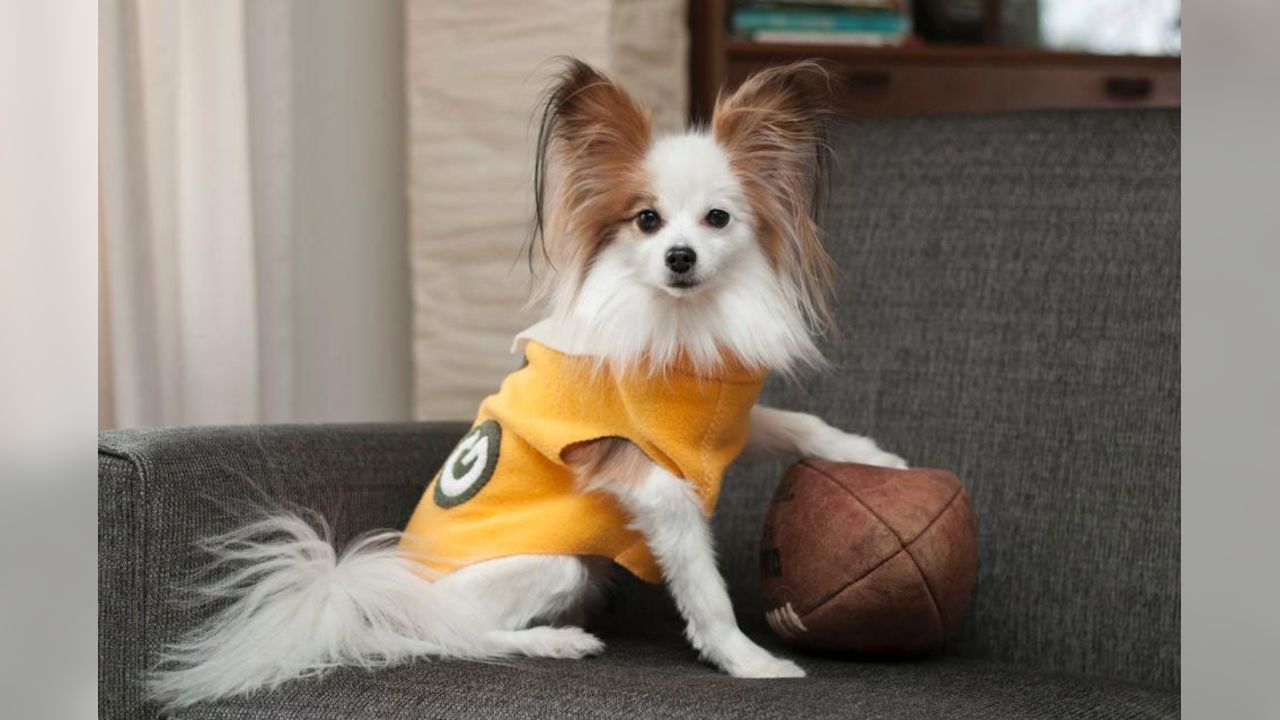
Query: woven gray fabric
[649, 679]
[121, 562]
[1009, 300]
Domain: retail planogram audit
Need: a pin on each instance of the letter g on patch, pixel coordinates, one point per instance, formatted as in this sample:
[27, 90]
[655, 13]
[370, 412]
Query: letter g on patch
[469, 466]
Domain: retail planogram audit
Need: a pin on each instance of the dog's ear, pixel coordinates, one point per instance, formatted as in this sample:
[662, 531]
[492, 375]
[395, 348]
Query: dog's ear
[773, 129]
[589, 168]
[777, 110]
[590, 114]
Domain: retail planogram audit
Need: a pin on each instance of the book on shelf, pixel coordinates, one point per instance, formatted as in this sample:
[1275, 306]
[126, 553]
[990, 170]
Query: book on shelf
[753, 19]
[865, 4]
[833, 38]
[842, 25]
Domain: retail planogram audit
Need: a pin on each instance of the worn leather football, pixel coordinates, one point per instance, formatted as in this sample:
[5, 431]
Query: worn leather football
[868, 560]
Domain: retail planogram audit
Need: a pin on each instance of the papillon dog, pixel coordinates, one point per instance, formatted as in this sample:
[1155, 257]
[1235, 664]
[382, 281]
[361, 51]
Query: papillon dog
[677, 271]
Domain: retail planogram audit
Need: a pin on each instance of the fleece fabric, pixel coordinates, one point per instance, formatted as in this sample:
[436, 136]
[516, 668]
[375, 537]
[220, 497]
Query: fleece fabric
[506, 489]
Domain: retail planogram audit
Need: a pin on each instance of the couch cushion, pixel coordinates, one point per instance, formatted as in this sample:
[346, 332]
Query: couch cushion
[655, 678]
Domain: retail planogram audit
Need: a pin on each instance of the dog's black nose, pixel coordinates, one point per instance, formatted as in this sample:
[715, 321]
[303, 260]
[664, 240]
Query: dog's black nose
[681, 259]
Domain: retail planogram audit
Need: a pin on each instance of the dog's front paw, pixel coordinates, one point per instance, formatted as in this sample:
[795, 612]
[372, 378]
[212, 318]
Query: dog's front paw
[881, 458]
[738, 656]
[773, 667]
[849, 448]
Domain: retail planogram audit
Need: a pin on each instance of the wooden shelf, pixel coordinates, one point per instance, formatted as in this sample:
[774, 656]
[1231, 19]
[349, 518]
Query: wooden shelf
[919, 79]
[931, 54]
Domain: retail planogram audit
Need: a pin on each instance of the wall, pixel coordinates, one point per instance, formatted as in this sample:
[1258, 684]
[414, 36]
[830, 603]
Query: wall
[475, 75]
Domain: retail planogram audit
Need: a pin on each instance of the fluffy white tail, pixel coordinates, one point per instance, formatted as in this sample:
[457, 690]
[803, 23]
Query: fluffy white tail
[299, 609]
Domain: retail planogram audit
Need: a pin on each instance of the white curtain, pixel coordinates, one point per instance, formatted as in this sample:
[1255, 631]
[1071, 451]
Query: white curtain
[194, 121]
[474, 74]
[253, 212]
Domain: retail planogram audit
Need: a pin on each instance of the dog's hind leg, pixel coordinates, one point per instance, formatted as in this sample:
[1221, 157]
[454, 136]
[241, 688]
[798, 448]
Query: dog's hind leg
[568, 643]
[522, 596]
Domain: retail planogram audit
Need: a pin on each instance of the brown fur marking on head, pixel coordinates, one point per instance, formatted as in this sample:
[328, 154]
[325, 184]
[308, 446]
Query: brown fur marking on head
[591, 149]
[773, 128]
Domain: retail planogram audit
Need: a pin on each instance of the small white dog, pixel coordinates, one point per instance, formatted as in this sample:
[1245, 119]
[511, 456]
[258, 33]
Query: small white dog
[675, 263]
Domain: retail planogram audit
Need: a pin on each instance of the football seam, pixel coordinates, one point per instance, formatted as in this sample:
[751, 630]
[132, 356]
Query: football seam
[829, 596]
[865, 506]
[904, 546]
[942, 622]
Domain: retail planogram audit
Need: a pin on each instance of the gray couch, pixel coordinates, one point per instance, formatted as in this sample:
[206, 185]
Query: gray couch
[1010, 302]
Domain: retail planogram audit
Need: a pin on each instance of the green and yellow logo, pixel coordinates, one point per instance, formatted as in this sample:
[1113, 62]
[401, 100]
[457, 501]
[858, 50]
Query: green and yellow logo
[469, 466]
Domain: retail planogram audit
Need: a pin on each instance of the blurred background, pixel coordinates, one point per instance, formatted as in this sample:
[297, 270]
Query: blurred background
[312, 210]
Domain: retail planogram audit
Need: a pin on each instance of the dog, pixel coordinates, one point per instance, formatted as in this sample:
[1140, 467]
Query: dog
[679, 271]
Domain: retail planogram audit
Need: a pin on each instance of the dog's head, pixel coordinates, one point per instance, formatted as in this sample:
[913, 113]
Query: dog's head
[699, 245]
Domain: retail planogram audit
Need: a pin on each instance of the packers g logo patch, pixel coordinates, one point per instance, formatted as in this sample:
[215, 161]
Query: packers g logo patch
[470, 465]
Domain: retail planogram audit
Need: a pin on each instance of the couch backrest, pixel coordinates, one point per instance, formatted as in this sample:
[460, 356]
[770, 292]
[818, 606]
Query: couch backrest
[1009, 298]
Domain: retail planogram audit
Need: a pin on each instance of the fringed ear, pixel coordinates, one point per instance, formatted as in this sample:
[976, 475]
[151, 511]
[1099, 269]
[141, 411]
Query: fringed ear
[774, 130]
[588, 172]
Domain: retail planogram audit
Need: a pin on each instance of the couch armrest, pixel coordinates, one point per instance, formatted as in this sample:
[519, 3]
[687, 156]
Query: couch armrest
[160, 491]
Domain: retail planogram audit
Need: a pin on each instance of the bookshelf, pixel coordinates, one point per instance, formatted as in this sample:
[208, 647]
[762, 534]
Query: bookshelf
[921, 79]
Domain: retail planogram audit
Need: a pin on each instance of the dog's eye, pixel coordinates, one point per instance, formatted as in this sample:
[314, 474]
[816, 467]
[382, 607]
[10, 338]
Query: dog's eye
[648, 220]
[717, 218]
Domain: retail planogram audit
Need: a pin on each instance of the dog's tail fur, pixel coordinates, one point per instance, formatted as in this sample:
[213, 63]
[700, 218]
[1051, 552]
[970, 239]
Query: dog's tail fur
[299, 608]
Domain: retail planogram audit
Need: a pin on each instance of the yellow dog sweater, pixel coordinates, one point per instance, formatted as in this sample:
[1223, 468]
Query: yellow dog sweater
[506, 490]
